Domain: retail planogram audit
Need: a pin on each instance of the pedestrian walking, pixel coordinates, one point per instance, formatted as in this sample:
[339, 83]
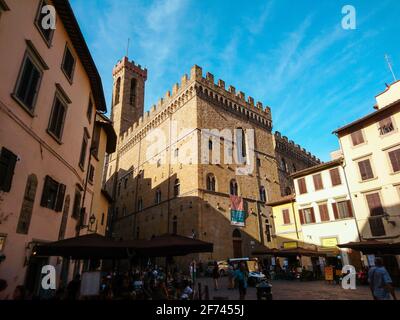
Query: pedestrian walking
[380, 282]
[216, 275]
[231, 275]
[241, 277]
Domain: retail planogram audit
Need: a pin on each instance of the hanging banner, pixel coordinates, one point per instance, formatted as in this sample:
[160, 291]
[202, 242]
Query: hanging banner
[237, 211]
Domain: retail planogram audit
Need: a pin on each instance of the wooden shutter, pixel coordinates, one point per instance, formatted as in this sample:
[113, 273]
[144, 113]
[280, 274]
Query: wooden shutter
[301, 215]
[365, 169]
[374, 204]
[323, 211]
[312, 214]
[45, 193]
[286, 218]
[302, 186]
[357, 138]
[7, 167]
[60, 197]
[318, 182]
[335, 211]
[335, 177]
[395, 159]
[349, 208]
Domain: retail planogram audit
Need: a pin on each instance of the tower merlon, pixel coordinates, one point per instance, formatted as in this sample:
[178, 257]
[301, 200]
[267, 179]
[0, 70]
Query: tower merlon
[130, 65]
[221, 84]
[196, 72]
[210, 77]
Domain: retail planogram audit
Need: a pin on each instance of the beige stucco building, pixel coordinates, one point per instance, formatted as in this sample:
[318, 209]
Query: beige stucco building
[371, 150]
[50, 97]
[177, 164]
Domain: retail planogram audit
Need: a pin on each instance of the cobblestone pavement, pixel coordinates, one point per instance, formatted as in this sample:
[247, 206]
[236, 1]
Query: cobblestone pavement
[293, 290]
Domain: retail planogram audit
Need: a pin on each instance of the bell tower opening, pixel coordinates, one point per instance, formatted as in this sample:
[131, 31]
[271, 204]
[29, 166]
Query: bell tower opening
[128, 94]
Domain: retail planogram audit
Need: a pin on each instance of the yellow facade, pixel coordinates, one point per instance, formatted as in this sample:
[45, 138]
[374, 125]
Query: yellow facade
[287, 234]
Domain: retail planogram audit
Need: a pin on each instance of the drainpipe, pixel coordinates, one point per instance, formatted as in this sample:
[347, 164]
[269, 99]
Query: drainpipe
[348, 190]
[295, 221]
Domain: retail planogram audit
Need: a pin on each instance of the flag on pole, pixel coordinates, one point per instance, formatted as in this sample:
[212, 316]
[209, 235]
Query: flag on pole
[237, 211]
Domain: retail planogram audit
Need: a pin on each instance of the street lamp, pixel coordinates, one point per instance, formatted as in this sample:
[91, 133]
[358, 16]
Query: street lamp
[92, 220]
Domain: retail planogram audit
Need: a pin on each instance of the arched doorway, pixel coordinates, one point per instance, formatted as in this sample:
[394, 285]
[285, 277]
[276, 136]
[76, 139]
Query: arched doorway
[237, 243]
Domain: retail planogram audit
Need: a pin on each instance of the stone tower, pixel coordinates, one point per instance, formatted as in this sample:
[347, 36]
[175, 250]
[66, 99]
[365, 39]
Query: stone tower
[128, 94]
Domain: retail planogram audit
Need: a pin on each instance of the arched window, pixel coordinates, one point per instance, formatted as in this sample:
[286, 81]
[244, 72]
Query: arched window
[263, 195]
[117, 91]
[233, 188]
[283, 165]
[210, 182]
[210, 144]
[175, 225]
[236, 234]
[177, 187]
[132, 96]
[288, 191]
[158, 196]
[140, 204]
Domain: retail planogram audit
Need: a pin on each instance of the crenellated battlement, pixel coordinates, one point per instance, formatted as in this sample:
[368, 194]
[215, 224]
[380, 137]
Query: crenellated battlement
[219, 88]
[130, 65]
[283, 143]
[181, 92]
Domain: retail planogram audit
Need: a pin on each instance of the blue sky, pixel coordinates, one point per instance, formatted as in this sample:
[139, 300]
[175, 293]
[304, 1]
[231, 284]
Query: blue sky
[291, 55]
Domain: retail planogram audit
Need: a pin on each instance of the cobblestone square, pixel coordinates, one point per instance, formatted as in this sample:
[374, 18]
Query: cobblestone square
[293, 290]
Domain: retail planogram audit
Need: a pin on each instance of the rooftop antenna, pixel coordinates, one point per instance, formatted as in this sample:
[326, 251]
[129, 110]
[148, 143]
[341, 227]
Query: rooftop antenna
[390, 66]
[127, 48]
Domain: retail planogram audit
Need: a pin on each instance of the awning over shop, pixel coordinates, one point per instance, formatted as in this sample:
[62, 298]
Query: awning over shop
[94, 246]
[373, 247]
[290, 252]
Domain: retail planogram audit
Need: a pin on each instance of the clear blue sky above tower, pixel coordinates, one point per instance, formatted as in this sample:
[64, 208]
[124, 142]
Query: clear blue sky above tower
[291, 55]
